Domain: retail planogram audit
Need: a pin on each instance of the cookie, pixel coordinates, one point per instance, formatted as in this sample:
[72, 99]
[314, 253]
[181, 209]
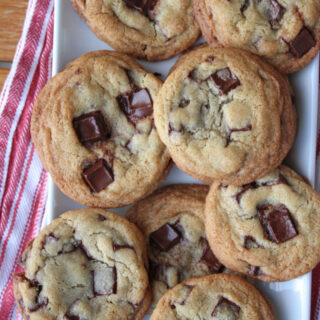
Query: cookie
[225, 115]
[171, 220]
[268, 229]
[92, 126]
[285, 32]
[87, 264]
[150, 29]
[218, 296]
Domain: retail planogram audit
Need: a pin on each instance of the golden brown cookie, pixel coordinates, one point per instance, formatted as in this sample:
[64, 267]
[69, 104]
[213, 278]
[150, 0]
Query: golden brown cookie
[225, 115]
[268, 229]
[147, 29]
[92, 126]
[285, 32]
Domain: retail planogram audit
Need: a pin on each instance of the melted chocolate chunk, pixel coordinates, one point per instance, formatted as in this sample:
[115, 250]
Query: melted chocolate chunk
[105, 280]
[145, 7]
[91, 127]
[136, 104]
[250, 242]
[244, 189]
[225, 80]
[275, 12]
[98, 176]
[226, 309]
[231, 131]
[117, 247]
[81, 246]
[254, 271]
[101, 217]
[245, 6]
[302, 43]
[276, 222]
[165, 237]
[209, 259]
[184, 103]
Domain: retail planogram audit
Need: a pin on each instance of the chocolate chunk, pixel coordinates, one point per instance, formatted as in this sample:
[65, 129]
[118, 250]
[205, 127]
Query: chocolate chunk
[79, 244]
[210, 59]
[276, 222]
[225, 80]
[117, 247]
[209, 259]
[244, 189]
[91, 127]
[172, 129]
[101, 217]
[145, 7]
[226, 309]
[280, 180]
[70, 315]
[254, 271]
[275, 12]
[245, 6]
[136, 104]
[165, 237]
[104, 280]
[250, 242]
[98, 176]
[184, 103]
[231, 131]
[50, 238]
[192, 76]
[40, 303]
[302, 43]
[223, 186]
[189, 288]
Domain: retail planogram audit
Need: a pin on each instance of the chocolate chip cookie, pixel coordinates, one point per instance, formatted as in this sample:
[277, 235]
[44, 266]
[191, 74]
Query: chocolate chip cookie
[171, 220]
[285, 32]
[225, 115]
[147, 29]
[87, 264]
[268, 229]
[92, 126]
[218, 296]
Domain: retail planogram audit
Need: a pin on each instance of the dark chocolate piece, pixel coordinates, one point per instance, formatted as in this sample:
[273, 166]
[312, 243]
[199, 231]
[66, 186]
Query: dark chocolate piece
[98, 176]
[91, 127]
[231, 131]
[245, 6]
[105, 281]
[165, 237]
[302, 43]
[226, 309]
[275, 13]
[145, 7]
[244, 189]
[84, 249]
[277, 222]
[209, 259]
[210, 59]
[250, 243]
[254, 271]
[193, 77]
[136, 104]
[101, 217]
[225, 80]
[280, 180]
[172, 129]
[184, 103]
[117, 247]
[223, 186]
[50, 238]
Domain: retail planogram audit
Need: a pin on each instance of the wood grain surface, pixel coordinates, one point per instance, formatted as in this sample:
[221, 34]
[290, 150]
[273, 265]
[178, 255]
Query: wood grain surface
[3, 76]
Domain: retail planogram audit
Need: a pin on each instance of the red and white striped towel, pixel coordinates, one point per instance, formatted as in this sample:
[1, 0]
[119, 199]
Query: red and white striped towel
[22, 177]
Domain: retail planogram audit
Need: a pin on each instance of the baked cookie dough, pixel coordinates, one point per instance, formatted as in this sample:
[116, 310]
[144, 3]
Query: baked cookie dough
[92, 126]
[87, 264]
[285, 32]
[225, 115]
[268, 229]
[218, 296]
[171, 219]
[147, 29]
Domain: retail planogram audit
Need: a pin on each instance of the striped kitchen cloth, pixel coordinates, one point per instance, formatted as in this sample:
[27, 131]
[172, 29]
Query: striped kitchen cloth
[23, 181]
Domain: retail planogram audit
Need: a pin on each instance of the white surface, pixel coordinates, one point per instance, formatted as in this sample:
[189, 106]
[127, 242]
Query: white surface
[72, 38]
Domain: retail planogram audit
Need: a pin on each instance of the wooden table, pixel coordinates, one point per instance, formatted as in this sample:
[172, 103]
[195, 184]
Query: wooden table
[12, 14]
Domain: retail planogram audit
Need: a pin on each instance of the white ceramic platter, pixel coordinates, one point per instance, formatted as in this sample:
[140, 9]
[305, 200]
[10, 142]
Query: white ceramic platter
[72, 38]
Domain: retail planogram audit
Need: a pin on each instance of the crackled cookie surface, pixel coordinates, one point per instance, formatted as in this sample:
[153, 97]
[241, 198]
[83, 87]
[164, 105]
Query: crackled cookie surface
[147, 29]
[171, 220]
[87, 264]
[225, 115]
[216, 296]
[92, 127]
[284, 32]
[268, 229]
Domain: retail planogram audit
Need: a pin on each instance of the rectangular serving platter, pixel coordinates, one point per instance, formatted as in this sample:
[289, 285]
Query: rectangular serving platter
[291, 299]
